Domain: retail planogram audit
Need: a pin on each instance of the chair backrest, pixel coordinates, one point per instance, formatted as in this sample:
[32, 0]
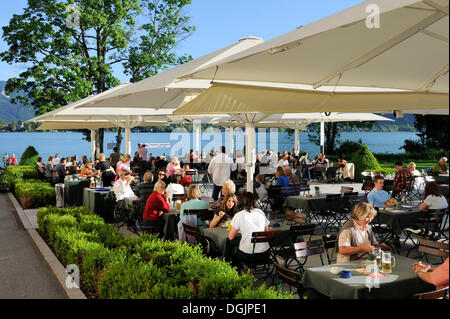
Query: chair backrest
[435, 294]
[192, 230]
[434, 248]
[181, 197]
[309, 248]
[296, 217]
[302, 230]
[264, 236]
[333, 196]
[288, 276]
[203, 214]
[329, 241]
[346, 189]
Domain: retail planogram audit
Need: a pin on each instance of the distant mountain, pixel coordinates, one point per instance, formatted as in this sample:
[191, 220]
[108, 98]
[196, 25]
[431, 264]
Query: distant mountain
[406, 123]
[13, 112]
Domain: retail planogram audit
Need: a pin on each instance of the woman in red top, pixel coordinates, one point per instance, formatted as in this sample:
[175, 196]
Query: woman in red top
[157, 204]
[13, 159]
[186, 179]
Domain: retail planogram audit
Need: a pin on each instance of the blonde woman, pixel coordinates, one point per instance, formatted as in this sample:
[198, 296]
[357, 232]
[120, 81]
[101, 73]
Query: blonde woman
[356, 237]
[173, 167]
[412, 169]
[123, 164]
[194, 201]
[228, 187]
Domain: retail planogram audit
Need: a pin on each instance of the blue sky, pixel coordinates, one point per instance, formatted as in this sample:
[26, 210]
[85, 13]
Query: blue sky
[219, 22]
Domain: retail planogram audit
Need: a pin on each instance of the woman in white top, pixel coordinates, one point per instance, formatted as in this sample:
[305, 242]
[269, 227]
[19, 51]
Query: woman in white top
[247, 221]
[433, 198]
[412, 169]
[175, 188]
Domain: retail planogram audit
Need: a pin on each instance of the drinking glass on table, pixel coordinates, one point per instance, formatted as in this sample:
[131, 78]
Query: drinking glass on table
[387, 262]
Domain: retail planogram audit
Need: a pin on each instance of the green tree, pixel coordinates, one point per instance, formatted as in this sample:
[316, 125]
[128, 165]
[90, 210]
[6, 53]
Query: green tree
[72, 45]
[333, 131]
[2, 122]
[432, 131]
[364, 160]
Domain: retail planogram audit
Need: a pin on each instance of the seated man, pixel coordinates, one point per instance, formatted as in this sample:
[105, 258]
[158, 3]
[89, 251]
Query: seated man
[401, 182]
[144, 190]
[378, 196]
[122, 189]
[436, 276]
[356, 237]
[441, 167]
[89, 171]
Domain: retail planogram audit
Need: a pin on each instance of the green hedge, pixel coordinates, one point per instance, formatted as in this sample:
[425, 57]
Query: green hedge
[34, 193]
[115, 267]
[29, 156]
[364, 160]
[19, 172]
[431, 155]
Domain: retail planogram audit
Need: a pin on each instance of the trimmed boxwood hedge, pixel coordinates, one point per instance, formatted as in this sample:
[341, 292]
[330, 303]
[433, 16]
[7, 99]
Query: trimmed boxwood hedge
[29, 156]
[34, 193]
[115, 267]
[364, 160]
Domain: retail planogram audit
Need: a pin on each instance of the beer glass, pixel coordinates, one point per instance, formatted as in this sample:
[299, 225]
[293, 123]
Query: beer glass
[387, 262]
[376, 252]
[178, 205]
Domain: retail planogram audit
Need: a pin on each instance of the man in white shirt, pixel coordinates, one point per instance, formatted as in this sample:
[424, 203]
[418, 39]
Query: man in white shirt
[56, 160]
[220, 169]
[284, 161]
[122, 188]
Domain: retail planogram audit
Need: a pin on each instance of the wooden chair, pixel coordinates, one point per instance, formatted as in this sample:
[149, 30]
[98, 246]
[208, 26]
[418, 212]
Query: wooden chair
[195, 237]
[436, 294]
[329, 241]
[327, 218]
[435, 248]
[296, 234]
[270, 237]
[306, 249]
[290, 277]
[202, 214]
[346, 189]
[296, 217]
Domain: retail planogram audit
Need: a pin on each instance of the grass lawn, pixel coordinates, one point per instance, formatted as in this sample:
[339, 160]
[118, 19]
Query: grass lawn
[420, 164]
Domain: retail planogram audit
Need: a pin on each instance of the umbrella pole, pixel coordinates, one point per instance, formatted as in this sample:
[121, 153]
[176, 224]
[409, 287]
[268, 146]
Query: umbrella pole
[250, 154]
[127, 141]
[232, 142]
[197, 140]
[297, 142]
[322, 137]
[92, 146]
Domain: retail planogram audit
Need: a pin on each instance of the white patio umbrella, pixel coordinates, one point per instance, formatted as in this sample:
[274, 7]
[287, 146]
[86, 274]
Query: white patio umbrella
[296, 121]
[164, 90]
[400, 44]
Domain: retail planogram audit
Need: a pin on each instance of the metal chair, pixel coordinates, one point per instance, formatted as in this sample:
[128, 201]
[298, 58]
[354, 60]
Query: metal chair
[329, 241]
[435, 294]
[434, 248]
[271, 237]
[290, 277]
[195, 237]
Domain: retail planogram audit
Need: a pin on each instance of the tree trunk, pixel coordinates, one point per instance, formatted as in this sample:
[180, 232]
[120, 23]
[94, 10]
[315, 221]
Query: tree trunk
[119, 139]
[330, 135]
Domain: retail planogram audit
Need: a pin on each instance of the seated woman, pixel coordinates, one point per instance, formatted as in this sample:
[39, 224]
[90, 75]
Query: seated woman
[175, 188]
[40, 168]
[186, 180]
[356, 237]
[226, 211]
[277, 197]
[412, 169]
[88, 171]
[122, 189]
[260, 187]
[107, 172]
[227, 188]
[173, 167]
[341, 162]
[436, 276]
[194, 201]
[157, 204]
[433, 198]
[247, 221]
[123, 164]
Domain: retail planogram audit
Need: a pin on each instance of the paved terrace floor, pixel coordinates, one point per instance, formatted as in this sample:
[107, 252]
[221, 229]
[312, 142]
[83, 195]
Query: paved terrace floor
[23, 271]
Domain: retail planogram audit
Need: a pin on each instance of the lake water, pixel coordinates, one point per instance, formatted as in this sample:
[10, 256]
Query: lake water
[70, 144]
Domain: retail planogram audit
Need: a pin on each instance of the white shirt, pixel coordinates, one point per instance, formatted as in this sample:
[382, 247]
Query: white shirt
[240, 162]
[56, 161]
[436, 202]
[122, 190]
[174, 189]
[247, 223]
[283, 163]
[220, 167]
